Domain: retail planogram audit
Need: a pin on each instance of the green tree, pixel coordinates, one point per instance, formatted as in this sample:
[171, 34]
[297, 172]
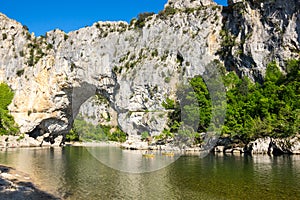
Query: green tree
[269, 109]
[7, 123]
[203, 100]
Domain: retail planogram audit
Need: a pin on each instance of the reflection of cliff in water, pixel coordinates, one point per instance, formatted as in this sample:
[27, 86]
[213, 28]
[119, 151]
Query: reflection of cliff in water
[72, 172]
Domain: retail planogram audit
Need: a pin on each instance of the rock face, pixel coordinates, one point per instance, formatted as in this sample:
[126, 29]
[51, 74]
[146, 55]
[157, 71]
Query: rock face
[135, 67]
[259, 32]
[189, 3]
[276, 146]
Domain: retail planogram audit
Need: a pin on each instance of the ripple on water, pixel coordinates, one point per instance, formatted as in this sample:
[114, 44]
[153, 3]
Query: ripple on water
[73, 173]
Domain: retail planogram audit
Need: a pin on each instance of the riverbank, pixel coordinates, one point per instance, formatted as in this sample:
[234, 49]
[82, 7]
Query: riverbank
[10, 141]
[267, 145]
[93, 144]
[17, 185]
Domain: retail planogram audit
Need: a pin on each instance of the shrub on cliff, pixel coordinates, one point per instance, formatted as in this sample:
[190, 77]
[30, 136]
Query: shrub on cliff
[142, 17]
[7, 123]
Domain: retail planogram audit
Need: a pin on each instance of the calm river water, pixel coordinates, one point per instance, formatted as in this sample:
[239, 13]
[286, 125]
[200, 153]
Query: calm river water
[74, 173]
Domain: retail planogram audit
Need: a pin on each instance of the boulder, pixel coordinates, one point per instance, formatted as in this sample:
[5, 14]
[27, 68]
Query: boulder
[135, 145]
[261, 146]
[219, 148]
[275, 146]
[228, 151]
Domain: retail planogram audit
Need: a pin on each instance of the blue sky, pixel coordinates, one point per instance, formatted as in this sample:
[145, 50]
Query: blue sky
[70, 15]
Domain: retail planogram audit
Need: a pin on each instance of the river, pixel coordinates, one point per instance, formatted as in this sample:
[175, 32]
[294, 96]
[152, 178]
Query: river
[75, 173]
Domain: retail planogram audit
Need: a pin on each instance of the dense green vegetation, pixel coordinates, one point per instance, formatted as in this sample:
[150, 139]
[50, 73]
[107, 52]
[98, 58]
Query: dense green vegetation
[191, 112]
[253, 110]
[268, 109]
[7, 123]
[85, 131]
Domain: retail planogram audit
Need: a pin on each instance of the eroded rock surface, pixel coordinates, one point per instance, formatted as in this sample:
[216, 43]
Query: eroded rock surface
[135, 68]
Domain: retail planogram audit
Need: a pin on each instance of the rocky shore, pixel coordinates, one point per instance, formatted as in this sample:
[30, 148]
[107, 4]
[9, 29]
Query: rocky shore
[9, 141]
[267, 145]
[16, 185]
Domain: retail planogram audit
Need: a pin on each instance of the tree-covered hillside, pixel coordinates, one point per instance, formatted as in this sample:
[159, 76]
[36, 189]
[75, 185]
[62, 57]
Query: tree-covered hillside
[269, 109]
[253, 110]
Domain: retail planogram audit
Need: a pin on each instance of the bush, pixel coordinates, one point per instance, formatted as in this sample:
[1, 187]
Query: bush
[169, 104]
[118, 136]
[168, 79]
[21, 53]
[140, 23]
[25, 28]
[20, 72]
[65, 37]
[73, 135]
[4, 36]
[154, 53]
[166, 12]
[86, 131]
[7, 123]
[144, 135]
[49, 46]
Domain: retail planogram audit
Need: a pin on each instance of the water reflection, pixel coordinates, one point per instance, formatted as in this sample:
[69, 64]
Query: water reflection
[130, 161]
[73, 173]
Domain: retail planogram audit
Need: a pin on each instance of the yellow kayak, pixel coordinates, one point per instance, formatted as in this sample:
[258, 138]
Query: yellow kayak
[147, 155]
[168, 153]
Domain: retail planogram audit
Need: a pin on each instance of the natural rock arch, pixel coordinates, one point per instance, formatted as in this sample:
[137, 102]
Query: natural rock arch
[135, 70]
[137, 91]
[134, 67]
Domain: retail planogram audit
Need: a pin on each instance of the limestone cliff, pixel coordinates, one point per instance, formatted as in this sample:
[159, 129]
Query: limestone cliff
[136, 66]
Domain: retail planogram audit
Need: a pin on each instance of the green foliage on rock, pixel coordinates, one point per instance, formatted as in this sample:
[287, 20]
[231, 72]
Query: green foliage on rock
[144, 135]
[4, 36]
[168, 104]
[201, 94]
[168, 11]
[73, 135]
[253, 110]
[270, 109]
[86, 131]
[142, 17]
[7, 123]
[190, 113]
[228, 41]
[118, 135]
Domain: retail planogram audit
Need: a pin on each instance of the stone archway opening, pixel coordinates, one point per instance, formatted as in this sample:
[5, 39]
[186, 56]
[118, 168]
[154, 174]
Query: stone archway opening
[53, 130]
[94, 118]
